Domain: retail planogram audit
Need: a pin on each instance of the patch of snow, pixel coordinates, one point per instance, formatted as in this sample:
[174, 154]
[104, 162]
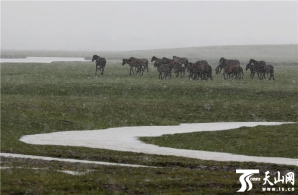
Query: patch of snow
[74, 172]
[66, 160]
[62, 171]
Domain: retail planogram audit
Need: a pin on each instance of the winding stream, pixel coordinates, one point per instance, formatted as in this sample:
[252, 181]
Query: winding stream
[126, 139]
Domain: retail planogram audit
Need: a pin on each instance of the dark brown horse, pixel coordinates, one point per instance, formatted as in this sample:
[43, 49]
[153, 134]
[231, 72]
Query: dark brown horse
[144, 64]
[100, 63]
[231, 71]
[134, 63]
[224, 63]
[181, 61]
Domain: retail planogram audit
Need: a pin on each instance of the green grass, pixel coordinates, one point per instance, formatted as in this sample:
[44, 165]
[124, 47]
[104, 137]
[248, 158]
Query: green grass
[40, 177]
[39, 98]
[114, 180]
[43, 98]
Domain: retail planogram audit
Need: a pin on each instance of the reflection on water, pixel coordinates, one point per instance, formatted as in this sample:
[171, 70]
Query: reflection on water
[42, 60]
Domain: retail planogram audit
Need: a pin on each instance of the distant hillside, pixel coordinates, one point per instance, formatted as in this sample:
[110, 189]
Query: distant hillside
[275, 54]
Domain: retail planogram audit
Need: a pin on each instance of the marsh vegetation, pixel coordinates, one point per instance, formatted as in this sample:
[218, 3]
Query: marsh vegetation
[61, 96]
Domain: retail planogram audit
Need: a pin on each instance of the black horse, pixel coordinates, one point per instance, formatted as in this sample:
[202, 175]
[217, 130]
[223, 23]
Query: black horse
[100, 63]
[145, 64]
[166, 70]
[267, 69]
[159, 62]
[199, 70]
[256, 67]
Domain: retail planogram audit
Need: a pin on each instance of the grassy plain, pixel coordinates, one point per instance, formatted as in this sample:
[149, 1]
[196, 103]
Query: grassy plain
[43, 98]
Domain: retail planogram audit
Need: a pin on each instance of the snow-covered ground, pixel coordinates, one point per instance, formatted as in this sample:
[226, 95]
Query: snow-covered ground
[45, 158]
[126, 139]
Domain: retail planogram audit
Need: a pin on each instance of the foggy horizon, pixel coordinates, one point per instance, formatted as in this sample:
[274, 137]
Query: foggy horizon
[90, 50]
[128, 26]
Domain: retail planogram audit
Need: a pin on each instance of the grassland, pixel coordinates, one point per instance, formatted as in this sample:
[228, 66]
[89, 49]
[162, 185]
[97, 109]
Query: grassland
[43, 98]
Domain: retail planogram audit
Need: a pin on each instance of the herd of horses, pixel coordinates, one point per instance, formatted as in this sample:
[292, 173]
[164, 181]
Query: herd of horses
[199, 70]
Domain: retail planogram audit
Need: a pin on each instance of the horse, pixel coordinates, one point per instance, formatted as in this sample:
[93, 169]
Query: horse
[208, 72]
[232, 71]
[181, 61]
[267, 69]
[178, 69]
[190, 68]
[270, 70]
[165, 69]
[100, 63]
[145, 61]
[240, 73]
[252, 69]
[133, 63]
[200, 69]
[259, 65]
[144, 64]
[159, 61]
[224, 63]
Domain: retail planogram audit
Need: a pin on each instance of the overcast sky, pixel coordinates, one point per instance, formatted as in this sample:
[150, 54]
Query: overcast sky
[135, 25]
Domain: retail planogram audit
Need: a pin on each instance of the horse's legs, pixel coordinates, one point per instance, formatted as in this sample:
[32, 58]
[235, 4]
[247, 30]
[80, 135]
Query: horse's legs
[272, 75]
